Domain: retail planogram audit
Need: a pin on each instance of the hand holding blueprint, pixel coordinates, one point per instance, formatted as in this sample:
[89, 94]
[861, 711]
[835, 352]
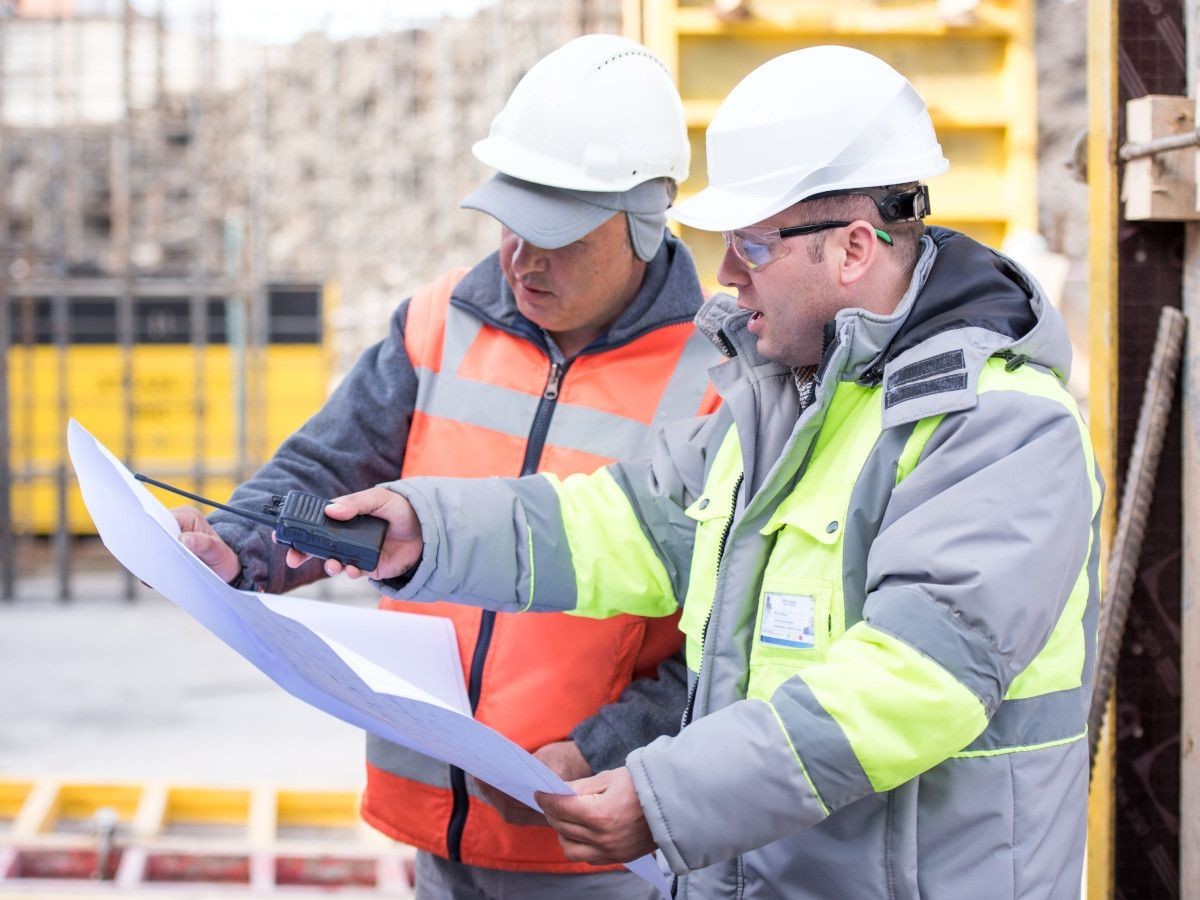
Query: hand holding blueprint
[395, 675]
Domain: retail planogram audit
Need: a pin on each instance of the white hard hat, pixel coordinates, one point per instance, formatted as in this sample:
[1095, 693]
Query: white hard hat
[807, 122]
[598, 114]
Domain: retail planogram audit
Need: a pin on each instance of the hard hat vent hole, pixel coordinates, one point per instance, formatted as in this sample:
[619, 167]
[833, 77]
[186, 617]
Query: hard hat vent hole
[640, 54]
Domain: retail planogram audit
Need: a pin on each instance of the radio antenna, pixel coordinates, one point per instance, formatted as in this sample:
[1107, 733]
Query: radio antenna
[241, 512]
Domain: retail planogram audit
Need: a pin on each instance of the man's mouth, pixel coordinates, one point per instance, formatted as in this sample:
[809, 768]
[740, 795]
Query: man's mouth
[755, 314]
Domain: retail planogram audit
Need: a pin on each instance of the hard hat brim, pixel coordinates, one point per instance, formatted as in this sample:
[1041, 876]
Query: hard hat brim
[528, 165]
[544, 216]
[714, 209]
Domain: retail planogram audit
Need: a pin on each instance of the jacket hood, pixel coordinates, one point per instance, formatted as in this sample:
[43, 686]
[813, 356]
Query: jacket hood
[964, 304]
[670, 294]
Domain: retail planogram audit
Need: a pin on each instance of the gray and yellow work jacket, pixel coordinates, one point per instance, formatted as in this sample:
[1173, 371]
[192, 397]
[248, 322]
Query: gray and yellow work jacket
[890, 598]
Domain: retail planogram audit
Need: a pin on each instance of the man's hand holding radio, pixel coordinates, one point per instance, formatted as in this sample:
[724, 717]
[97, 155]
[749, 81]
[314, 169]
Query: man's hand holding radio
[402, 545]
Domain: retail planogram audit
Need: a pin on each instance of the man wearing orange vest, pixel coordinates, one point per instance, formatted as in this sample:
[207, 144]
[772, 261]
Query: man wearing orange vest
[560, 353]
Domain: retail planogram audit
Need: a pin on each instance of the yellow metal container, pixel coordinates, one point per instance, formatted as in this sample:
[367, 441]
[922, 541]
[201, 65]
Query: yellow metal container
[973, 64]
[182, 413]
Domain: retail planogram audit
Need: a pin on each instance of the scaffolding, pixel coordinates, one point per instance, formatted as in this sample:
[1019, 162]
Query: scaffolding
[164, 181]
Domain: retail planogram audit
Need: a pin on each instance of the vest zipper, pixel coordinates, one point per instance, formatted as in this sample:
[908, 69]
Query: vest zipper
[487, 621]
[541, 419]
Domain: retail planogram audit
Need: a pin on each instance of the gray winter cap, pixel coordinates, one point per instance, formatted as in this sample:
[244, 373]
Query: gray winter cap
[550, 217]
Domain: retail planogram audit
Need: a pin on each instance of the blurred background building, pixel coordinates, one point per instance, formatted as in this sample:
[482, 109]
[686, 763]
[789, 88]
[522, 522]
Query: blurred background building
[207, 210]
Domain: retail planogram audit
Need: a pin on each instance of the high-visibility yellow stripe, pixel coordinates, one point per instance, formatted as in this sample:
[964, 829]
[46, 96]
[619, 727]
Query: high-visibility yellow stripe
[915, 445]
[901, 712]
[803, 769]
[616, 568]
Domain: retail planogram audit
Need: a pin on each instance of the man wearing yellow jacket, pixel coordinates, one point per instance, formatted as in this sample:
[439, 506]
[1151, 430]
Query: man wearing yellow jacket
[884, 544]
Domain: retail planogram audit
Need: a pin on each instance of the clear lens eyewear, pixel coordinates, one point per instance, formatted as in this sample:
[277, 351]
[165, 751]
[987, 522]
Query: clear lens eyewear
[757, 246]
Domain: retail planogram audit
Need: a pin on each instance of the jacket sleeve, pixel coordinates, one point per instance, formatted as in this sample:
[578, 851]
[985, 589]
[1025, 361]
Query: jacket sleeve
[646, 709]
[616, 541]
[977, 564]
[354, 441]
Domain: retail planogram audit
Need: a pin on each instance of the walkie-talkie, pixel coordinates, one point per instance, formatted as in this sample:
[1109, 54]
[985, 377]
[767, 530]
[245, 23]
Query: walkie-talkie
[299, 521]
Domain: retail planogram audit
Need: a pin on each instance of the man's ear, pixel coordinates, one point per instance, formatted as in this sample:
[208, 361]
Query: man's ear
[858, 245]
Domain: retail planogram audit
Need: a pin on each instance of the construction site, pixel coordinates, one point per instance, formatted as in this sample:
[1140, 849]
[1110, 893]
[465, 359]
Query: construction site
[210, 209]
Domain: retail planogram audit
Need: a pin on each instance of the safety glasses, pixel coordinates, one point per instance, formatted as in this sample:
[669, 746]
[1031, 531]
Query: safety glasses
[758, 245]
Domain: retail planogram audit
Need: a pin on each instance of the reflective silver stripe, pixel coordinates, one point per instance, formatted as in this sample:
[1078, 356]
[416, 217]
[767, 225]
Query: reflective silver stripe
[1091, 614]
[505, 411]
[511, 412]
[599, 433]
[1033, 721]
[685, 389]
[831, 762]
[920, 622]
[445, 395]
[868, 505]
[553, 575]
[461, 330]
[404, 763]
[475, 403]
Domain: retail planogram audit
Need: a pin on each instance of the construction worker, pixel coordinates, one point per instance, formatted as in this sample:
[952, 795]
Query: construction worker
[884, 543]
[560, 353]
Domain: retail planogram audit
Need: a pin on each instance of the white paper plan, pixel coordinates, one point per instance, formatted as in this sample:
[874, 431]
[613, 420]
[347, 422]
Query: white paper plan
[395, 675]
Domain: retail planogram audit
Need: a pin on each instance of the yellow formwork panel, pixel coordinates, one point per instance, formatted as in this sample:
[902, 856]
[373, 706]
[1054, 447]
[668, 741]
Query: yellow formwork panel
[205, 806]
[976, 72]
[319, 809]
[79, 803]
[182, 400]
[12, 797]
[56, 813]
[60, 805]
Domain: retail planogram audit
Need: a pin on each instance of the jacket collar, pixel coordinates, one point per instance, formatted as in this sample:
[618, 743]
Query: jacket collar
[670, 294]
[964, 304]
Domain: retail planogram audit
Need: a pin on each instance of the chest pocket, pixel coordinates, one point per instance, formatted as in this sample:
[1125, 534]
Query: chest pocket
[800, 609]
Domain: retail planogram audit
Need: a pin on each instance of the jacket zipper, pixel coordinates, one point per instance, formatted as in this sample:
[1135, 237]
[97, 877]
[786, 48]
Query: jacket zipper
[687, 715]
[691, 701]
[487, 623]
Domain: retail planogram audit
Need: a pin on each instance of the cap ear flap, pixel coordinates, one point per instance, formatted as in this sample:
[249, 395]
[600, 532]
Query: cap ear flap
[646, 233]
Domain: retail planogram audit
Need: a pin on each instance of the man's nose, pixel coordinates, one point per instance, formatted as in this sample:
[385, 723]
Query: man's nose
[732, 272]
[528, 257]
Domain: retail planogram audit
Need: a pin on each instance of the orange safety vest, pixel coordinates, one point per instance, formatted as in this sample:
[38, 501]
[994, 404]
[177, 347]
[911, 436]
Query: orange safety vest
[479, 393]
